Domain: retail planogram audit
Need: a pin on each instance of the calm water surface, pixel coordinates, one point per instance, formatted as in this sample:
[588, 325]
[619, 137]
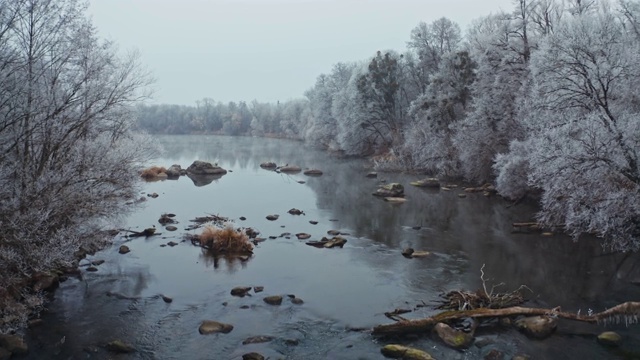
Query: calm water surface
[343, 289]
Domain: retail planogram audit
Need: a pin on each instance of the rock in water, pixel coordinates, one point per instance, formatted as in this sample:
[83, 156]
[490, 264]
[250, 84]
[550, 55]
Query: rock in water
[124, 249]
[610, 338]
[539, 327]
[312, 172]
[404, 352]
[290, 169]
[252, 356]
[174, 171]
[268, 165]
[257, 340]
[204, 168]
[240, 291]
[456, 339]
[118, 346]
[397, 200]
[407, 252]
[273, 300]
[212, 327]
[295, 211]
[390, 190]
[428, 182]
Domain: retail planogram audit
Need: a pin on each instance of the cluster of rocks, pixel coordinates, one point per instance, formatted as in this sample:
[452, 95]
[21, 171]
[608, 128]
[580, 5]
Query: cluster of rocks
[216, 327]
[200, 172]
[290, 169]
[461, 335]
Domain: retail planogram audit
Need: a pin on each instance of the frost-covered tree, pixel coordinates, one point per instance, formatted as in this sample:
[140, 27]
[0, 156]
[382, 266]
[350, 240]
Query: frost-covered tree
[292, 122]
[67, 156]
[430, 42]
[583, 145]
[322, 126]
[429, 138]
[501, 45]
[380, 98]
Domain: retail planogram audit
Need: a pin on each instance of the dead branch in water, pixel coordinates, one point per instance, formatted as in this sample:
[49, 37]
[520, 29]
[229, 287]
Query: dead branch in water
[628, 311]
[145, 232]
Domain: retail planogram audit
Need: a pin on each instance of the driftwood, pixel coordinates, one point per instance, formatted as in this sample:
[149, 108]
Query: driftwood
[145, 232]
[627, 312]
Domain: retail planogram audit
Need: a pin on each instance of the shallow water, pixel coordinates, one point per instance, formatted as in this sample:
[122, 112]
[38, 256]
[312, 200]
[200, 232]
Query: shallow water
[344, 290]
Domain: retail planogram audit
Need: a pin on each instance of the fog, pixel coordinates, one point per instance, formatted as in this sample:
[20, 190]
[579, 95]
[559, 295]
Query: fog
[268, 50]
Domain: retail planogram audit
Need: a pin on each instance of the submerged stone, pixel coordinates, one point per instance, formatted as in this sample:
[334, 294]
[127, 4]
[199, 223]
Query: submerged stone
[273, 300]
[610, 338]
[118, 346]
[212, 327]
[404, 352]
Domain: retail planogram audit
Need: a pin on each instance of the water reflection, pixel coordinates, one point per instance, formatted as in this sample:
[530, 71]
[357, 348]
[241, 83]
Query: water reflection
[232, 263]
[342, 288]
[203, 180]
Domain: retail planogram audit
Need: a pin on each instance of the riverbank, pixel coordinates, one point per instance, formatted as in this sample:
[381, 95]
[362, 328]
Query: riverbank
[345, 291]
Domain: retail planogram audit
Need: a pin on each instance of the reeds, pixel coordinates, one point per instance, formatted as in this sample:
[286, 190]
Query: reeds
[225, 240]
[152, 172]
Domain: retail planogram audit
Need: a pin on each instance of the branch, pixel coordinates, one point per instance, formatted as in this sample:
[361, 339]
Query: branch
[628, 311]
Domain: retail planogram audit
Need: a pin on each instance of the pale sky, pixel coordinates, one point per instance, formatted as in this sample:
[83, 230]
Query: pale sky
[267, 50]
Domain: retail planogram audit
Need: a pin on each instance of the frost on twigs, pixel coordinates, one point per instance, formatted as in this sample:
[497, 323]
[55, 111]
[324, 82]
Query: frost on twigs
[69, 156]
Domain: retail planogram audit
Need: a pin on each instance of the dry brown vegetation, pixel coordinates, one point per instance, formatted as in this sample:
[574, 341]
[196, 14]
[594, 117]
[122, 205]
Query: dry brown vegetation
[152, 172]
[225, 240]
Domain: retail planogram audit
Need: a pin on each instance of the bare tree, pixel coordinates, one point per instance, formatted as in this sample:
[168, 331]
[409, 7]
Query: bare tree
[68, 158]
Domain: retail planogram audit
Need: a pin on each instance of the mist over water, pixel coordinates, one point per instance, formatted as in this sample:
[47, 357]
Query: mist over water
[343, 289]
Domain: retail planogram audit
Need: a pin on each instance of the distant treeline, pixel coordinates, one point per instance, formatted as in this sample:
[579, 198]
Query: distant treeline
[211, 117]
[540, 99]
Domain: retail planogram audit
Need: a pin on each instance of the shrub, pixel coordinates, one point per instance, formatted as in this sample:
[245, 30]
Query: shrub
[152, 172]
[225, 240]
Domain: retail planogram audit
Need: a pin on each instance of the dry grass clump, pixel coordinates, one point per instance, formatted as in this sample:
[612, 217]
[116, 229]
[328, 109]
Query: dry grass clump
[225, 240]
[152, 172]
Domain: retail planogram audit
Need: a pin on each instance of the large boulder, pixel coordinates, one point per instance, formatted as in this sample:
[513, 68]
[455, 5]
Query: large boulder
[539, 327]
[174, 171]
[204, 168]
[390, 190]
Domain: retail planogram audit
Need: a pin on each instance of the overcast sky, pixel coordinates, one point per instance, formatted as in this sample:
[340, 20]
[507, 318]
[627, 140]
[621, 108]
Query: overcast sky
[266, 50]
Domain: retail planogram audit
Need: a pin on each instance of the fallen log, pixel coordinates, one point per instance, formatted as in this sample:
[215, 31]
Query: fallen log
[629, 312]
[146, 232]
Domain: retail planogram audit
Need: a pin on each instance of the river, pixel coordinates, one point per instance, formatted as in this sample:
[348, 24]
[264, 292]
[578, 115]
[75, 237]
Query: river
[344, 290]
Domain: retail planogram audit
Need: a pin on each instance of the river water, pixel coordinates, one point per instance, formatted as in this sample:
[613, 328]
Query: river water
[344, 290]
